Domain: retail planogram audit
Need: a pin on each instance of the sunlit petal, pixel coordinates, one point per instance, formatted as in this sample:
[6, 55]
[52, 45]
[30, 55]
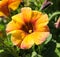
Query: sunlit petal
[2, 14]
[17, 37]
[4, 7]
[35, 16]
[18, 18]
[13, 4]
[40, 37]
[43, 21]
[27, 13]
[27, 42]
[12, 26]
[42, 29]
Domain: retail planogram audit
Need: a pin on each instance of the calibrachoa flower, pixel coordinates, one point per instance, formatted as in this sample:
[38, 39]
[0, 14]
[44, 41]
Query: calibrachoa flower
[5, 5]
[45, 4]
[28, 27]
[57, 24]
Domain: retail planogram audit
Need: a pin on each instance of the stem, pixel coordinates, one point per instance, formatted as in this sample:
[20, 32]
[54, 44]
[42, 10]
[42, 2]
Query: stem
[54, 14]
[33, 47]
[40, 48]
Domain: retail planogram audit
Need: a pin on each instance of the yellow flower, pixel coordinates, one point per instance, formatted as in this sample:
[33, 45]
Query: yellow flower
[28, 27]
[5, 5]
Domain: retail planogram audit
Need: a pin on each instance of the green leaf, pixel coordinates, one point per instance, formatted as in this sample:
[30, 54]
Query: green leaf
[1, 27]
[58, 45]
[34, 54]
[57, 51]
[1, 51]
[48, 39]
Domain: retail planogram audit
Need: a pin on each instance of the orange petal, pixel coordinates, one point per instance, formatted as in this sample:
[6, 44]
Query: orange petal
[42, 29]
[18, 18]
[3, 2]
[43, 21]
[40, 37]
[35, 16]
[17, 36]
[35, 37]
[12, 26]
[2, 14]
[13, 4]
[27, 42]
[4, 7]
[26, 12]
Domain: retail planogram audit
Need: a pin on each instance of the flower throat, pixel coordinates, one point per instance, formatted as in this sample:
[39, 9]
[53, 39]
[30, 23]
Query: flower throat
[28, 28]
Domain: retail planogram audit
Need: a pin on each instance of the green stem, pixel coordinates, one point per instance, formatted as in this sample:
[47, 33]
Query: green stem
[54, 14]
[33, 47]
[39, 49]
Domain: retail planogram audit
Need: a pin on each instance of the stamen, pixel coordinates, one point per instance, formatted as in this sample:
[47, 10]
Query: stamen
[30, 31]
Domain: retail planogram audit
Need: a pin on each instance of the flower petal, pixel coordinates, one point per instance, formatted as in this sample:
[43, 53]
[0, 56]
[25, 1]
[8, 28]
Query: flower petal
[12, 26]
[26, 12]
[2, 14]
[43, 21]
[2, 2]
[17, 37]
[36, 16]
[4, 7]
[13, 4]
[40, 37]
[27, 42]
[42, 29]
[35, 37]
[18, 18]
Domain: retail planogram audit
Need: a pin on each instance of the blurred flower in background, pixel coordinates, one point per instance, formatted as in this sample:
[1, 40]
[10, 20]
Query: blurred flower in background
[45, 4]
[7, 5]
[57, 24]
[28, 27]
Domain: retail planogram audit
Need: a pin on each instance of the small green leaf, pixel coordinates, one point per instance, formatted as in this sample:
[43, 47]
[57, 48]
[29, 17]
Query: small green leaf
[34, 54]
[1, 27]
[48, 39]
[58, 45]
[1, 51]
[57, 52]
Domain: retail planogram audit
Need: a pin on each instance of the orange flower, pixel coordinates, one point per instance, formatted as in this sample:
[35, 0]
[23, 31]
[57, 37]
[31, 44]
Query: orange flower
[5, 5]
[28, 27]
